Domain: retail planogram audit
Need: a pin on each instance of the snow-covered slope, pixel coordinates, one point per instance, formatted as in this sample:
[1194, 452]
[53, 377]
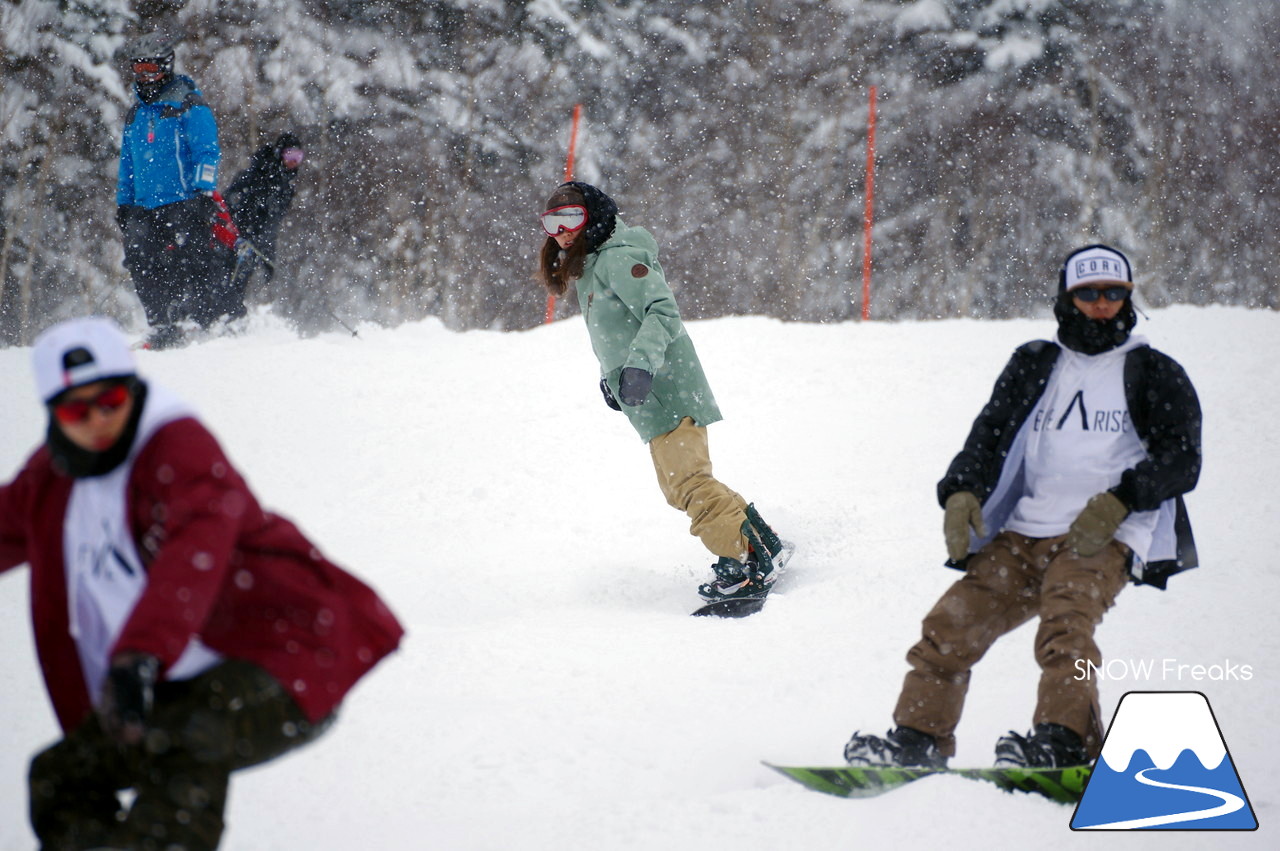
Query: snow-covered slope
[552, 692]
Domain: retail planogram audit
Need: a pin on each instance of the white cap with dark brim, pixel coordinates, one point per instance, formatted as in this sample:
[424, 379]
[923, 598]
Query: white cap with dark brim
[80, 351]
[1096, 264]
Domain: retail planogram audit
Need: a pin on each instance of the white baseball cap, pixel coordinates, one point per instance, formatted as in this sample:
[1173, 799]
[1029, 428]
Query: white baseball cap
[1095, 264]
[80, 351]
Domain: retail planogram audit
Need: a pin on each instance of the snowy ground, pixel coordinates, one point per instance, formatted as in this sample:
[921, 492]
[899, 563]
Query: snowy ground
[552, 692]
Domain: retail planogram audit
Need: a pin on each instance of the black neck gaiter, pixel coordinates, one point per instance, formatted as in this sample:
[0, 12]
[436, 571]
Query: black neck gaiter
[78, 463]
[1088, 336]
[150, 92]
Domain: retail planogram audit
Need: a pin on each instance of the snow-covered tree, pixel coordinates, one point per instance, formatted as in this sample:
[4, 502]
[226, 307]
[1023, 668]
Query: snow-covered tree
[1009, 131]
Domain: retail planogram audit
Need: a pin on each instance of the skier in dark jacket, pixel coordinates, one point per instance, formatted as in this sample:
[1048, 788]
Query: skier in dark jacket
[1076, 467]
[169, 159]
[259, 197]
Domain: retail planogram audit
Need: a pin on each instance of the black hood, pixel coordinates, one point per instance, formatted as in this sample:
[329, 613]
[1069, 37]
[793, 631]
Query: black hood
[285, 140]
[1088, 336]
[602, 214]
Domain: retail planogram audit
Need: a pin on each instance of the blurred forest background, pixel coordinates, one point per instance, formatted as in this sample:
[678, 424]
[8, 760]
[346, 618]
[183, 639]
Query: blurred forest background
[1009, 131]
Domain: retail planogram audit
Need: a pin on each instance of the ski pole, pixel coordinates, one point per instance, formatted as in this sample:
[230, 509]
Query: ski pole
[249, 246]
[340, 322]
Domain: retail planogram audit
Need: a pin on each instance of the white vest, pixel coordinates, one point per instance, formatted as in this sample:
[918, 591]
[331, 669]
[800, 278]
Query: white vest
[105, 576]
[1079, 440]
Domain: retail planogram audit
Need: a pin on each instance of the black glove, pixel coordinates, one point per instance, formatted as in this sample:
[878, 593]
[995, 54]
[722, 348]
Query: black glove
[633, 386]
[124, 213]
[608, 395]
[205, 206]
[127, 697]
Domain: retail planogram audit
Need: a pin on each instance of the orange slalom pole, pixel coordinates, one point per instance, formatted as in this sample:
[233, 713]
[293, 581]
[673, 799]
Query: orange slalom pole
[867, 213]
[568, 175]
[573, 142]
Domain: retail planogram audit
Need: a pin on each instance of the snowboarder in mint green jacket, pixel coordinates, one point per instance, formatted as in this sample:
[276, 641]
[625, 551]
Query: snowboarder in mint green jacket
[650, 371]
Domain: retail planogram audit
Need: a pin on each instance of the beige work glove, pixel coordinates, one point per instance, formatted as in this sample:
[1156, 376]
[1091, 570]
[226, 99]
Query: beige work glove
[1096, 525]
[962, 511]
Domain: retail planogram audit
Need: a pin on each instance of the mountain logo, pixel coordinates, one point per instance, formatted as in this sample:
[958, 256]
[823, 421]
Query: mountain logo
[1164, 765]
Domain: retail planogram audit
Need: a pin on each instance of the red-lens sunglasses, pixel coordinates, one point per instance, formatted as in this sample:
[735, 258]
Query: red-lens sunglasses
[565, 219]
[77, 410]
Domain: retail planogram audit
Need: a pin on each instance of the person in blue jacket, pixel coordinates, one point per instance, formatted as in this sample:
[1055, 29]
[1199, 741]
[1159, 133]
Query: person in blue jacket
[169, 158]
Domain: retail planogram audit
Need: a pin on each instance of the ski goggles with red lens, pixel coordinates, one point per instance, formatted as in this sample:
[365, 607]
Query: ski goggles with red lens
[148, 71]
[1089, 294]
[291, 157]
[564, 219]
[77, 410]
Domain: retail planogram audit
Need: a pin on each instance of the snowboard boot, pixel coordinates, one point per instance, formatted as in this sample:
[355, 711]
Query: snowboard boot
[164, 337]
[901, 747]
[736, 579]
[1047, 746]
[733, 581]
[762, 546]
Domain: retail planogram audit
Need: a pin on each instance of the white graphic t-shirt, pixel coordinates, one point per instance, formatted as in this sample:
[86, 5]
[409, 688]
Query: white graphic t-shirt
[1080, 439]
[105, 576]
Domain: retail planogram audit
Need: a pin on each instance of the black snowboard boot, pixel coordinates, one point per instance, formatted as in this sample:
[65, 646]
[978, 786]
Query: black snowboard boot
[1047, 746]
[901, 747]
[165, 337]
[762, 546]
[735, 579]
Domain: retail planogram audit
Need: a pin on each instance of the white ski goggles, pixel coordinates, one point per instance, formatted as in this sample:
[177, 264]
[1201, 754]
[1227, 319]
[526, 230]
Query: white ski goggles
[563, 219]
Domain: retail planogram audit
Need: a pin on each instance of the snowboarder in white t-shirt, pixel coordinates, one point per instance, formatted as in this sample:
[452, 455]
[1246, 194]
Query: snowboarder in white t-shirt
[1068, 487]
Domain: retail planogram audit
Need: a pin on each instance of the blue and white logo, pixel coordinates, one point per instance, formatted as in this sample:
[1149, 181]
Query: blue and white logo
[1164, 765]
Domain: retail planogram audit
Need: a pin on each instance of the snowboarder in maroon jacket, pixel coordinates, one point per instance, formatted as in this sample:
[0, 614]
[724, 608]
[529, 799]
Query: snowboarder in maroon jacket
[183, 631]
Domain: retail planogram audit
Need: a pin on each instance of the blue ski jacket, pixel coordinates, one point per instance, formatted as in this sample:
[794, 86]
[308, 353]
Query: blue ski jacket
[170, 151]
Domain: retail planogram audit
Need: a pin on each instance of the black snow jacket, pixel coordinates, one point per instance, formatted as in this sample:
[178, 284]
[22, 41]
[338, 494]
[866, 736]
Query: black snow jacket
[1166, 415]
[260, 196]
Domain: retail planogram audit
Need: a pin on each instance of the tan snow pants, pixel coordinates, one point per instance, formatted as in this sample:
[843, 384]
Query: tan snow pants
[683, 464]
[1009, 581]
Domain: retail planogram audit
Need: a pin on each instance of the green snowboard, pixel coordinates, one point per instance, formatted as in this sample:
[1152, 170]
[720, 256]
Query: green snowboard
[1064, 785]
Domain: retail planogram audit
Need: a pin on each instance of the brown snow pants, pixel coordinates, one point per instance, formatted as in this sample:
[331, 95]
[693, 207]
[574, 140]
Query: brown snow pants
[682, 461]
[1009, 581]
[230, 717]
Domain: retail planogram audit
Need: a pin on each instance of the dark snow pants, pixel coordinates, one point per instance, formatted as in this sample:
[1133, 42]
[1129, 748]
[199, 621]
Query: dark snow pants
[1009, 581]
[233, 716]
[177, 272]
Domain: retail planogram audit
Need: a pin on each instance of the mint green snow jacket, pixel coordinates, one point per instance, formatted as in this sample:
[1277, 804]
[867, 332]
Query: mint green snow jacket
[633, 320]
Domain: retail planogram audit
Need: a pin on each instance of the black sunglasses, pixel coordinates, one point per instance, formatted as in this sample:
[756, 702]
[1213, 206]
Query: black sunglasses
[1116, 293]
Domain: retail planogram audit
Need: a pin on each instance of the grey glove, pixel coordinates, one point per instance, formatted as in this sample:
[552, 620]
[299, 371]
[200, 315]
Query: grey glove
[633, 386]
[962, 511]
[128, 695]
[1096, 525]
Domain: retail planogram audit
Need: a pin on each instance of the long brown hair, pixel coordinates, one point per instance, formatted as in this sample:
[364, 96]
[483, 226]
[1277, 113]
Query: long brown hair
[557, 267]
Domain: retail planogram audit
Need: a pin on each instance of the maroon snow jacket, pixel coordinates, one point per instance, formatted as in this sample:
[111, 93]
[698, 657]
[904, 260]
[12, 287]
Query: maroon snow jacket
[268, 596]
